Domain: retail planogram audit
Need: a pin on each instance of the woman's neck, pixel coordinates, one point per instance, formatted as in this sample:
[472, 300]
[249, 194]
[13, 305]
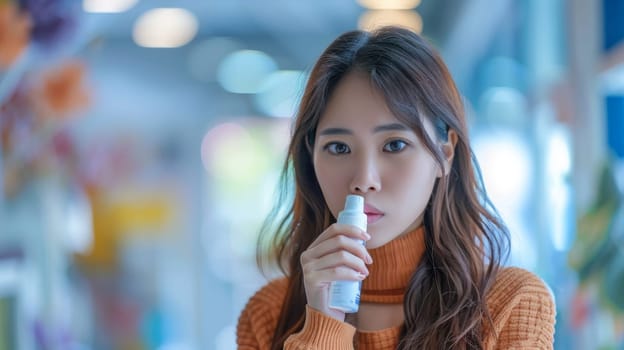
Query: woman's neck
[393, 266]
[382, 294]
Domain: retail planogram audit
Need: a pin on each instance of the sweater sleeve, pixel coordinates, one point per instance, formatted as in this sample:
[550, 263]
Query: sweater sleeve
[321, 332]
[247, 337]
[258, 319]
[523, 311]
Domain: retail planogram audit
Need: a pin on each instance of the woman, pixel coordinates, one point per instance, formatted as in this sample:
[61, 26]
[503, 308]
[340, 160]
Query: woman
[382, 118]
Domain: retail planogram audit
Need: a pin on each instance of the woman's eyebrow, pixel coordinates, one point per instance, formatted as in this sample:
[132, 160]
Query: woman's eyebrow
[379, 128]
[335, 131]
[391, 127]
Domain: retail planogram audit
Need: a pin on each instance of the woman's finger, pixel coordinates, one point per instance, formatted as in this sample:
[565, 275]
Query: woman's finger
[340, 229]
[336, 244]
[336, 259]
[338, 273]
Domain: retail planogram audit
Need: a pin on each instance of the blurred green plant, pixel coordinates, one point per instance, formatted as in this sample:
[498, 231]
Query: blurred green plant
[598, 252]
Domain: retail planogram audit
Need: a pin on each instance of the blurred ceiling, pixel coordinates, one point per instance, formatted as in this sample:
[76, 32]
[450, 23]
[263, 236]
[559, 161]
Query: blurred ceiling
[299, 28]
[134, 83]
[281, 17]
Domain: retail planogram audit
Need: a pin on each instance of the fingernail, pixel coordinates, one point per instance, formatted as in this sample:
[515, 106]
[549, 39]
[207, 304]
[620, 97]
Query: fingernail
[369, 259]
[361, 276]
[367, 235]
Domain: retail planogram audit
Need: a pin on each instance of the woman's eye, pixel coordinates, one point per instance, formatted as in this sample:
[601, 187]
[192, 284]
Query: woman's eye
[337, 148]
[394, 146]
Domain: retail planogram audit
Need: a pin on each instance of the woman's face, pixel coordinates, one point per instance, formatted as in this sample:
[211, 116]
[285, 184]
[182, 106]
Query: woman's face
[362, 148]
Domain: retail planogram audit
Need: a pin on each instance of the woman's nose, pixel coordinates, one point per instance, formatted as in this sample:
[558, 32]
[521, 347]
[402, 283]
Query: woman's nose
[365, 177]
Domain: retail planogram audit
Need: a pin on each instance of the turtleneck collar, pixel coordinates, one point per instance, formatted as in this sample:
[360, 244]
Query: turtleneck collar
[392, 267]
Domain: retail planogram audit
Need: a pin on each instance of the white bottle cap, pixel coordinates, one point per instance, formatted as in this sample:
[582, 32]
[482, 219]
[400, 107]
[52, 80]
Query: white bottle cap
[354, 203]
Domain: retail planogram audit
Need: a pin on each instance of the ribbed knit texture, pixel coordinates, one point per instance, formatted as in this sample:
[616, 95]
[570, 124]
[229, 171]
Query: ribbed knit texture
[393, 265]
[520, 303]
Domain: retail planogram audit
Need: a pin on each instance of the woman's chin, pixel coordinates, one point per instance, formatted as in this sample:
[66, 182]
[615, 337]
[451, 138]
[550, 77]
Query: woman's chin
[376, 242]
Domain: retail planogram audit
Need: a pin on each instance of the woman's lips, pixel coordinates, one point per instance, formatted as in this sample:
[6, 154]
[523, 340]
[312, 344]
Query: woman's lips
[372, 214]
[373, 218]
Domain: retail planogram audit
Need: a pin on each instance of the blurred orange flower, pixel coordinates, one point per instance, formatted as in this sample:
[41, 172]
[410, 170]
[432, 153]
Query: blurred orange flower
[14, 33]
[62, 91]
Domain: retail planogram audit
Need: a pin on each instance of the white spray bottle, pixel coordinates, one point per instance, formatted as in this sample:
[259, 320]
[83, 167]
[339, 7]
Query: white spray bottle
[345, 295]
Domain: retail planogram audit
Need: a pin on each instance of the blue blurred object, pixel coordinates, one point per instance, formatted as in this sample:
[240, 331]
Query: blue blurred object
[53, 21]
[154, 328]
[613, 26]
[615, 124]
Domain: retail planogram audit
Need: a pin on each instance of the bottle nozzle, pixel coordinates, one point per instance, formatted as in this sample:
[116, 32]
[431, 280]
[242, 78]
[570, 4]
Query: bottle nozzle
[354, 203]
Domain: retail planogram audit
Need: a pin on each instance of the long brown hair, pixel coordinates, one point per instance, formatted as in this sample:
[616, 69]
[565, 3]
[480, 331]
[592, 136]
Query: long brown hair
[445, 302]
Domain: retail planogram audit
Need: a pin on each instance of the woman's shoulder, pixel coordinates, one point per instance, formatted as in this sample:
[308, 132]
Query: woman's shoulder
[271, 294]
[522, 310]
[258, 319]
[515, 280]
[518, 288]
[267, 301]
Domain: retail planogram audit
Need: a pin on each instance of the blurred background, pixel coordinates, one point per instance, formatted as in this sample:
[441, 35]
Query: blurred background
[141, 143]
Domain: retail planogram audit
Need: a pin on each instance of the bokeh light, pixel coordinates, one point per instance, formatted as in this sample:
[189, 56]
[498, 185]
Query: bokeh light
[280, 93]
[205, 57]
[245, 71]
[165, 28]
[373, 19]
[505, 105]
[233, 156]
[389, 4]
[107, 6]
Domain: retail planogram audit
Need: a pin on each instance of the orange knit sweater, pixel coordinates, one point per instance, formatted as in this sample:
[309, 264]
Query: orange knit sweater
[520, 303]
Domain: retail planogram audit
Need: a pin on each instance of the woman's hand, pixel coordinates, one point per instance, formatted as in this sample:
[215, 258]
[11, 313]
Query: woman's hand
[335, 255]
